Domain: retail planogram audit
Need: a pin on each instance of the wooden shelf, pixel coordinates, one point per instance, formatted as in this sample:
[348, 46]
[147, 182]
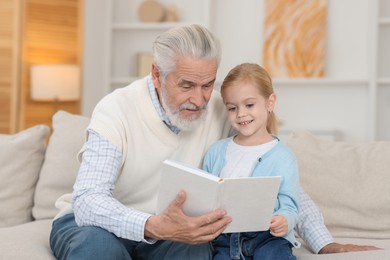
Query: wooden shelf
[319, 82]
[384, 81]
[384, 21]
[128, 37]
[144, 26]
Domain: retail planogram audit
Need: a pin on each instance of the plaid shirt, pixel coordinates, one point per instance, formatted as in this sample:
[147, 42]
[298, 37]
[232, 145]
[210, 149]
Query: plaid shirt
[97, 175]
[310, 225]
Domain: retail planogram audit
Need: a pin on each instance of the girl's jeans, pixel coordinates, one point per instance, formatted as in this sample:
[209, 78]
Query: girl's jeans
[252, 245]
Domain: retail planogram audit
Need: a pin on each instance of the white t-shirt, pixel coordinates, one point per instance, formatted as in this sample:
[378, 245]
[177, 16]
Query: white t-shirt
[240, 160]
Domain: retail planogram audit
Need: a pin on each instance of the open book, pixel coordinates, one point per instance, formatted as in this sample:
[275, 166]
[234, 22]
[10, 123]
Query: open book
[248, 201]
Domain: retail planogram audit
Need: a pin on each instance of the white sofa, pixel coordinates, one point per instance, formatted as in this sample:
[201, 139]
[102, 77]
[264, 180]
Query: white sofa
[349, 182]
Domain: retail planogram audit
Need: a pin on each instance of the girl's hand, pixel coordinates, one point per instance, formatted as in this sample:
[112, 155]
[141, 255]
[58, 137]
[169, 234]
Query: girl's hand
[279, 226]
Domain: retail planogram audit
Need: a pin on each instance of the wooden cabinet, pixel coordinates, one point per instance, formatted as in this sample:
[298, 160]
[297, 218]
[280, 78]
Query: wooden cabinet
[10, 25]
[35, 32]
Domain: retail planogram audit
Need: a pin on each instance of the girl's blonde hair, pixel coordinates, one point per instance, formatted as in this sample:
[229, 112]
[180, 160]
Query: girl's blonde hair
[254, 73]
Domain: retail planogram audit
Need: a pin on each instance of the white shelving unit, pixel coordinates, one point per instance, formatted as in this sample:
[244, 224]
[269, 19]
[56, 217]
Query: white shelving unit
[128, 36]
[114, 36]
[382, 99]
[373, 91]
[353, 98]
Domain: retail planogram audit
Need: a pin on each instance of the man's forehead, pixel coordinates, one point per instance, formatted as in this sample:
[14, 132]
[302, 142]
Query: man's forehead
[194, 76]
[196, 82]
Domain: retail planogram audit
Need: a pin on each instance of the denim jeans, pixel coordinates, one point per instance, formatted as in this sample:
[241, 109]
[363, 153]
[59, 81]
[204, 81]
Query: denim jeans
[252, 245]
[69, 241]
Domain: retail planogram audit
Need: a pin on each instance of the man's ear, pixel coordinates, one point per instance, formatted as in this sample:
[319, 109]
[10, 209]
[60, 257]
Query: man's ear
[156, 76]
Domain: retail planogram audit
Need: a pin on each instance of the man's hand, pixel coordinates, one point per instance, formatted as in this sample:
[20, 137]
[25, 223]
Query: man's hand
[174, 225]
[340, 248]
[279, 226]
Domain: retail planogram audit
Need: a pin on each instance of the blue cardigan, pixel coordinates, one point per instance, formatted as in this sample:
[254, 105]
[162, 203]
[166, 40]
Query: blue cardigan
[279, 161]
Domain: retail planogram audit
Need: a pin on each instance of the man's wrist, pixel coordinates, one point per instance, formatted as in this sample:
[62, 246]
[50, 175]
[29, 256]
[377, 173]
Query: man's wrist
[326, 249]
[150, 229]
[332, 248]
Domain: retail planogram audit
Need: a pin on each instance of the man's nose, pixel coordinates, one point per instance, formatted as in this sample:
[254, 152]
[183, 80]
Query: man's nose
[197, 96]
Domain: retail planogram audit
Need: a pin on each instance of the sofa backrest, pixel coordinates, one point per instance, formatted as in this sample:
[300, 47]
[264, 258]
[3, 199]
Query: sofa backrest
[348, 182]
[21, 157]
[60, 167]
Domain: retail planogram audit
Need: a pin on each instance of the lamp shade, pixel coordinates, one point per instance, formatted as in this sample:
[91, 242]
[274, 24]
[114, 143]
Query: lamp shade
[55, 82]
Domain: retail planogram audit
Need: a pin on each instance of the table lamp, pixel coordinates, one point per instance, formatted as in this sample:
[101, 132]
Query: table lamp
[55, 82]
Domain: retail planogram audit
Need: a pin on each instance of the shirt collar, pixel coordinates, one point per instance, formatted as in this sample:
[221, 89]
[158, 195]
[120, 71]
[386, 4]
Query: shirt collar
[158, 107]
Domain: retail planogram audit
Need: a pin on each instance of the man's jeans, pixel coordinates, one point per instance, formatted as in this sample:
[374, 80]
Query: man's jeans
[68, 241]
[252, 245]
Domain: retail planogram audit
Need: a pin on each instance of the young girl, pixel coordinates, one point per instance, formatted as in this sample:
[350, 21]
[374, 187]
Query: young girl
[255, 151]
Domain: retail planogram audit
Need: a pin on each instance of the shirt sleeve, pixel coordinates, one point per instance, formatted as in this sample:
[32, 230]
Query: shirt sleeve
[93, 201]
[311, 227]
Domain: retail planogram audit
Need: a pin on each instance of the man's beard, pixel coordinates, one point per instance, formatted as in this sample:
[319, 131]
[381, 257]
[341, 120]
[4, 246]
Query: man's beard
[184, 124]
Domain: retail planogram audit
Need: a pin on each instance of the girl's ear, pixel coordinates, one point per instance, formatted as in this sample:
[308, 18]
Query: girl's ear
[271, 102]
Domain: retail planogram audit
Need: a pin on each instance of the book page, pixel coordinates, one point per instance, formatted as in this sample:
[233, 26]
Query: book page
[249, 202]
[193, 170]
[201, 188]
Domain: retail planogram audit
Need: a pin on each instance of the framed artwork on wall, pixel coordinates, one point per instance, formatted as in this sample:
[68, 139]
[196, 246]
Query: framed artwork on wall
[294, 38]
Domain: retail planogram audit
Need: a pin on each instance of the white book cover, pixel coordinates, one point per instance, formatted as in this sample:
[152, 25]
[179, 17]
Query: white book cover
[248, 201]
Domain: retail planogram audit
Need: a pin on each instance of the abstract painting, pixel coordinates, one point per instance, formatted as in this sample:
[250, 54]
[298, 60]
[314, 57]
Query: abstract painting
[294, 38]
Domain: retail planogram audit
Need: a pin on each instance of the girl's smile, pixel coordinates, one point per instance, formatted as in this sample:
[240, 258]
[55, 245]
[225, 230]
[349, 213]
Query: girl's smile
[248, 112]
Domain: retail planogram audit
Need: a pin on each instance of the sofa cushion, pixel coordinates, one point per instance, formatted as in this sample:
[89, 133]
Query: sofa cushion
[304, 253]
[21, 157]
[26, 241]
[349, 182]
[60, 167]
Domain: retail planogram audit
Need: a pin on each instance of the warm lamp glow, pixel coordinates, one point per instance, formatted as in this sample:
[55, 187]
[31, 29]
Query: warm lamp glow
[60, 82]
